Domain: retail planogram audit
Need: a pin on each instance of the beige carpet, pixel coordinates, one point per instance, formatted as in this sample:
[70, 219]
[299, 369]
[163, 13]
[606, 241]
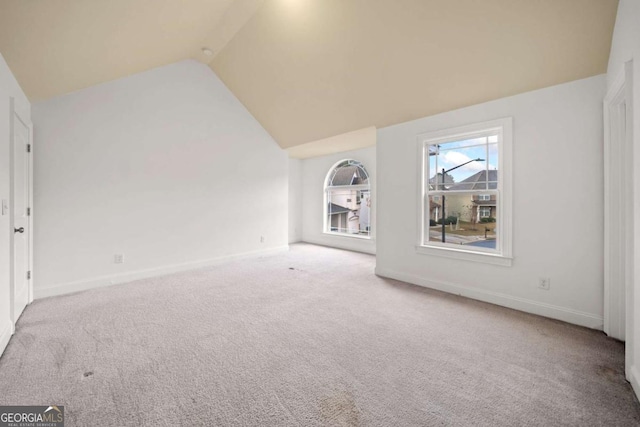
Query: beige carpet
[306, 338]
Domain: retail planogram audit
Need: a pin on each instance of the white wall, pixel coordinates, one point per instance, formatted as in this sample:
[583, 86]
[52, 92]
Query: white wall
[8, 88]
[314, 173]
[557, 205]
[626, 47]
[295, 200]
[165, 167]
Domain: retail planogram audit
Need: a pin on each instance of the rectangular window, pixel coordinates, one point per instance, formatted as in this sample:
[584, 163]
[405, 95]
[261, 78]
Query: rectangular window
[466, 192]
[345, 216]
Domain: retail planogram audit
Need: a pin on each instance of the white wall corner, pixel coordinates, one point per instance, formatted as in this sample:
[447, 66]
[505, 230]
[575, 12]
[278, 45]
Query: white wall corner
[295, 201]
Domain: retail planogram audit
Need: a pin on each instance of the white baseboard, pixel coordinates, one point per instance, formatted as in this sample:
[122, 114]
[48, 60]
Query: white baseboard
[6, 331]
[568, 315]
[115, 279]
[340, 242]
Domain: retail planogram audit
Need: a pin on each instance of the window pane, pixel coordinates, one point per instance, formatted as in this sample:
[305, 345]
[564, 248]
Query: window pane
[348, 172]
[349, 211]
[470, 219]
[433, 167]
[465, 143]
[461, 165]
[492, 165]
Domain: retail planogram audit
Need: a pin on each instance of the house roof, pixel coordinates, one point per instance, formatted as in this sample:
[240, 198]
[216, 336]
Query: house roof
[337, 209]
[349, 175]
[437, 179]
[478, 181]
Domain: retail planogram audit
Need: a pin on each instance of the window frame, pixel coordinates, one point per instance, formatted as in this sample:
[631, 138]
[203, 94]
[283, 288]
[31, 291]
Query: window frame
[503, 254]
[326, 226]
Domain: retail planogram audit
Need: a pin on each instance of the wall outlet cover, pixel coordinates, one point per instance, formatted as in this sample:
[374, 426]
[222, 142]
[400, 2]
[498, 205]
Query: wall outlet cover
[544, 283]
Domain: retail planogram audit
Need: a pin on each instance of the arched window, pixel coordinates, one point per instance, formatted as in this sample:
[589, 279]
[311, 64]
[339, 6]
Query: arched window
[348, 199]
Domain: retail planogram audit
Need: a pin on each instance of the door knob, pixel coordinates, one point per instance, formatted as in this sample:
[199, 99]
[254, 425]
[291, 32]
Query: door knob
[18, 230]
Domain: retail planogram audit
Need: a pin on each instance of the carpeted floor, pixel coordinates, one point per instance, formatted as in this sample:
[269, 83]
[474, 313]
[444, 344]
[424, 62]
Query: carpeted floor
[306, 338]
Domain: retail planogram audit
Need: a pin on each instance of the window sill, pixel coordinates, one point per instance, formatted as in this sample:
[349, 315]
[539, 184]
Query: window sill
[465, 255]
[349, 236]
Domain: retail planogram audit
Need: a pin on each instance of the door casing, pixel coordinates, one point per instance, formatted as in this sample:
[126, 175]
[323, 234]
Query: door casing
[619, 212]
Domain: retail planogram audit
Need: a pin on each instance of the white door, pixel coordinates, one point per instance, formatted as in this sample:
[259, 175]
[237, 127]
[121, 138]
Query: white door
[20, 212]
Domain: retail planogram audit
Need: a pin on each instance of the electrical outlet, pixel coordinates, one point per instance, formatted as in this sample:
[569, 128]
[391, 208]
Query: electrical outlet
[118, 258]
[262, 239]
[544, 283]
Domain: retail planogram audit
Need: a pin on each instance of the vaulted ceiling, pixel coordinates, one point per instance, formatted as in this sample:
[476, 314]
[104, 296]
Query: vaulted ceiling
[312, 69]
[58, 46]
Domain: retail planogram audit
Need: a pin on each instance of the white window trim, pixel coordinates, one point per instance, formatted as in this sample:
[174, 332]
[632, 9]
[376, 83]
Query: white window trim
[325, 223]
[349, 236]
[504, 255]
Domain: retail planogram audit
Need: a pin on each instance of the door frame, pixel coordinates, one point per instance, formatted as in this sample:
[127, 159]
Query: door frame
[22, 114]
[619, 211]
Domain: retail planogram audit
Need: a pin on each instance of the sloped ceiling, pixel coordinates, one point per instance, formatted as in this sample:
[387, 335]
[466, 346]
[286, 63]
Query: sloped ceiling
[58, 46]
[309, 70]
[312, 69]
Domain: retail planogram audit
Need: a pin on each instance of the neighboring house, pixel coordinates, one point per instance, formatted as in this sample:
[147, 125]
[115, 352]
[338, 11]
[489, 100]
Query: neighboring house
[437, 179]
[338, 217]
[477, 181]
[484, 206]
[349, 209]
[435, 205]
[365, 211]
[435, 208]
[475, 206]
